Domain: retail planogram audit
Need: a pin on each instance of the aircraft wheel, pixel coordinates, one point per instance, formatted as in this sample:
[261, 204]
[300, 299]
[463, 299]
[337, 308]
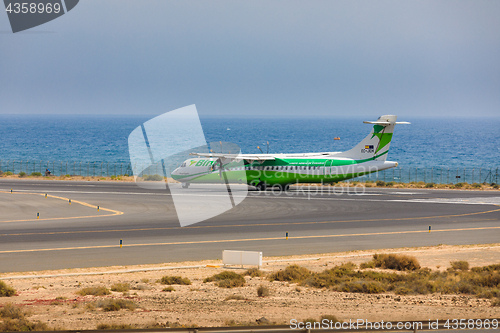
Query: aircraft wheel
[261, 186]
[185, 185]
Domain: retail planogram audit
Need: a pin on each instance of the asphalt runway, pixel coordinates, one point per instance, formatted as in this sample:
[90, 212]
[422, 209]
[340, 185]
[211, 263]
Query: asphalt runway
[77, 235]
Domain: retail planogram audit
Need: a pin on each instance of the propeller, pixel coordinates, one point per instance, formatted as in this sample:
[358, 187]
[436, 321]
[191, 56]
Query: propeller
[260, 149]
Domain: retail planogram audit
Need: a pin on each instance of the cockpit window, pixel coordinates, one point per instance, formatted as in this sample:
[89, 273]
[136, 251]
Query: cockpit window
[183, 165]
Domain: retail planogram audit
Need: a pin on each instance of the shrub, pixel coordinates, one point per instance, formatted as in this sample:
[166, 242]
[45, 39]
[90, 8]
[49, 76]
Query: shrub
[396, 261]
[380, 183]
[114, 327]
[390, 184]
[9, 173]
[362, 287]
[263, 291]
[227, 279]
[330, 318]
[113, 177]
[235, 297]
[22, 174]
[11, 325]
[36, 174]
[293, 273]
[369, 264]
[254, 272]
[152, 178]
[11, 311]
[116, 305]
[477, 185]
[5, 290]
[460, 265]
[496, 302]
[175, 280]
[402, 291]
[168, 289]
[459, 185]
[429, 185]
[94, 291]
[120, 287]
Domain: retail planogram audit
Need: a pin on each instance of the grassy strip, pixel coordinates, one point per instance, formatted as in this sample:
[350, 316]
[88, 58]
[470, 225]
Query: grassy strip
[482, 282]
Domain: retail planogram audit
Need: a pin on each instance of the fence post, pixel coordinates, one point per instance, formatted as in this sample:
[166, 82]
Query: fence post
[416, 175]
[480, 176]
[465, 180]
[432, 175]
[473, 175]
[425, 173]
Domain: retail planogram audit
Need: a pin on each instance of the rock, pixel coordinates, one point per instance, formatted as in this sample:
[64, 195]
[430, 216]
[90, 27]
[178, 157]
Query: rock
[263, 321]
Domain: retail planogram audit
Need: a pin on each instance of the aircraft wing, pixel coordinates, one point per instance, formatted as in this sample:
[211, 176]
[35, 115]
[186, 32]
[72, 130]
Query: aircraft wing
[248, 157]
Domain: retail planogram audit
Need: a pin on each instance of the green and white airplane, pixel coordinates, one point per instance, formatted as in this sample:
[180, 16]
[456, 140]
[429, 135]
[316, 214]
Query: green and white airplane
[263, 170]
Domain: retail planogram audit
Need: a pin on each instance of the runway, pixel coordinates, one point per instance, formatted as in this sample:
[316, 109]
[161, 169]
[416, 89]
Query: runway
[78, 235]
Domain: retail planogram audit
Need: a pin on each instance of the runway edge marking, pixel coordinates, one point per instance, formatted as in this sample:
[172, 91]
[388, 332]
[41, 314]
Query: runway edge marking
[114, 212]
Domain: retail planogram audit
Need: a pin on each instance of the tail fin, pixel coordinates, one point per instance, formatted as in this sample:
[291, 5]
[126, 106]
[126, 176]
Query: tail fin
[376, 144]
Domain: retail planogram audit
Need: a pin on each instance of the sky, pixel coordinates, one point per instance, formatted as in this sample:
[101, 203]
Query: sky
[280, 58]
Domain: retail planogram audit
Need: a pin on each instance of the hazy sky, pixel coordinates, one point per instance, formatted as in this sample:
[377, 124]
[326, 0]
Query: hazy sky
[318, 58]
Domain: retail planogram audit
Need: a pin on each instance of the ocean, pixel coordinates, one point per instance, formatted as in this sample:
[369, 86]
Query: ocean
[461, 145]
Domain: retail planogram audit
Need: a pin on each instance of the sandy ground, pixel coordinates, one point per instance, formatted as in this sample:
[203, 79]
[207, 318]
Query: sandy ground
[53, 300]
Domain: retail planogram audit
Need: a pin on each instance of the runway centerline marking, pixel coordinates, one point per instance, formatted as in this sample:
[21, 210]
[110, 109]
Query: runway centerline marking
[245, 240]
[114, 212]
[257, 225]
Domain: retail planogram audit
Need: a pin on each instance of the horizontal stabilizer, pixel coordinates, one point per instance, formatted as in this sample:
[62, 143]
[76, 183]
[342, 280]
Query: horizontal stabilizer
[385, 123]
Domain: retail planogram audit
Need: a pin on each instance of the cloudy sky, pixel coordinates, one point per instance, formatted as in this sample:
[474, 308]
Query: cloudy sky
[272, 58]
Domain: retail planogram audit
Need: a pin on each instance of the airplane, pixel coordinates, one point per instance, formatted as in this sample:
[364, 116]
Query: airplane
[282, 170]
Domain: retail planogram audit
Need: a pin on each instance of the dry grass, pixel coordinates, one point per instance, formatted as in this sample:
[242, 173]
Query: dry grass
[330, 318]
[116, 305]
[114, 326]
[459, 265]
[5, 290]
[263, 291]
[175, 280]
[14, 319]
[254, 272]
[479, 281]
[235, 297]
[227, 279]
[168, 289]
[293, 273]
[398, 262]
[11, 311]
[120, 287]
[94, 291]
[13, 325]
